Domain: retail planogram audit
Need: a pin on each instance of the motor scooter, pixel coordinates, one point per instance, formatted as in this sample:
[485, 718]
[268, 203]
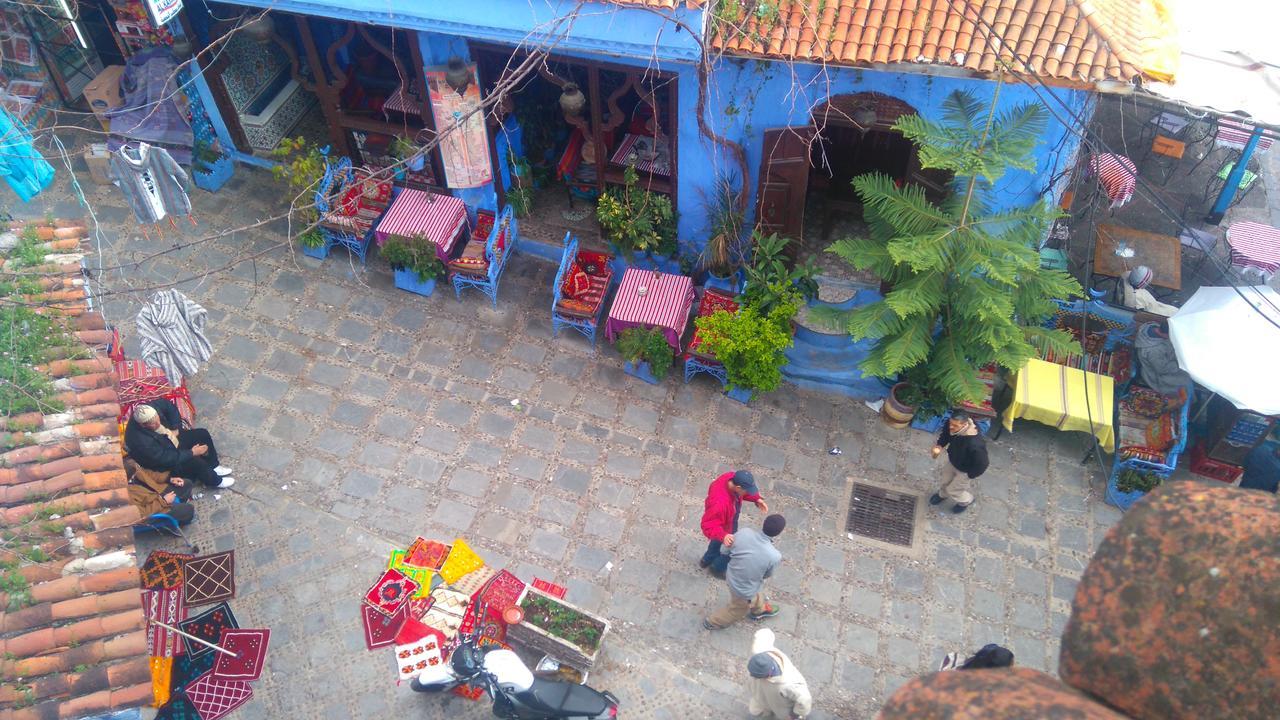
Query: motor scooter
[516, 693]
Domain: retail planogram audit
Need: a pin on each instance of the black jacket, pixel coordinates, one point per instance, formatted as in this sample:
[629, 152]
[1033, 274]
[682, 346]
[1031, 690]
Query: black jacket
[151, 449]
[967, 453]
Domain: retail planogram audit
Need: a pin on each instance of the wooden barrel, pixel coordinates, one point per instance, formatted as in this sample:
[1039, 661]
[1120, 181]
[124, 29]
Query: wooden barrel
[894, 413]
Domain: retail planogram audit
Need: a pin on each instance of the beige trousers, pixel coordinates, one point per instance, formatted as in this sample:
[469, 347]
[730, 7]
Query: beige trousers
[956, 486]
[737, 609]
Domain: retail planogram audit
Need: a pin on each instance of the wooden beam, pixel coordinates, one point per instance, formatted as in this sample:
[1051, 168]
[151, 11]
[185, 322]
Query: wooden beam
[597, 123]
[325, 91]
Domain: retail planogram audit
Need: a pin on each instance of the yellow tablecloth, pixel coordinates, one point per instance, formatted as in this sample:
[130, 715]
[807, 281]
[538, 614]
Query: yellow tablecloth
[1055, 395]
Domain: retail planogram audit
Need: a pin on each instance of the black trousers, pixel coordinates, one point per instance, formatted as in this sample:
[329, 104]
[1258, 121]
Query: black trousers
[199, 469]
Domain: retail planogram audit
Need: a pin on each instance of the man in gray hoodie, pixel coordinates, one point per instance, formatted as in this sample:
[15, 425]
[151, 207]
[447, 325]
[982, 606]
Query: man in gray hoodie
[752, 558]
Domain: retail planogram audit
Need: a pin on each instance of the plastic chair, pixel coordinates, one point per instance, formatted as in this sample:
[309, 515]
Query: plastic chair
[164, 524]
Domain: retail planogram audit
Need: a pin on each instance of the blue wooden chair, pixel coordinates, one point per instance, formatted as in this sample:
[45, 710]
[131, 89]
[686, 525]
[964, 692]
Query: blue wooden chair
[349, 227]
[581, 287]
[696, 361]
[482, 262]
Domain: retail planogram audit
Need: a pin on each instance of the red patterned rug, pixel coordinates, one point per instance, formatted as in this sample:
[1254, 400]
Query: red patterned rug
[214, 698]
[391, 591]
[380, 630]
[208, 626]
[250, 647]
[426, 554]
[162, 570]
[166, 606]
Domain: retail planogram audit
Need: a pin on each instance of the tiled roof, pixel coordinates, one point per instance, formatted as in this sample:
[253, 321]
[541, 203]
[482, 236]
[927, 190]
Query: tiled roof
[660, 3]
[72, 643]
[1072, 42]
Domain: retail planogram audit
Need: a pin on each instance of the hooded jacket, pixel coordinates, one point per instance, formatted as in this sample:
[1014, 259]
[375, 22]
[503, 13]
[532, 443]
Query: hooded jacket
[720, 511]
[154, 184]
[782, 696]
[151, 449]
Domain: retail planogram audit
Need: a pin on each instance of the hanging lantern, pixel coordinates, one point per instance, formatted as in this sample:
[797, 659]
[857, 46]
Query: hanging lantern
[457, 75]
[260, 30]
[572, 100]
[181, 48]
[865, 116]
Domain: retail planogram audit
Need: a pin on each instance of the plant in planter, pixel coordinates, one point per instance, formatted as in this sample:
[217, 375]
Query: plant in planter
[302, 165]
[414, 262]
[770, 283]
[723, 253]
[405, 149]
[750, 345]
[1134, 480]
[521, 200]
[210, 167]
[647, 354]
[635, 220]
[559, 629]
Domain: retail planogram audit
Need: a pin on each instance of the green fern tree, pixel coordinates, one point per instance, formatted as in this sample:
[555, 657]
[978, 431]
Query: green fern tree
[967, 286]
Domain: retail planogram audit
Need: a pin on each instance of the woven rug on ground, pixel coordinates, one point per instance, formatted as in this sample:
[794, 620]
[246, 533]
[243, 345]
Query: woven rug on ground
[208, 626]
[425, 577]
[166, 606]
[214, 698]
[503, 591]
[391, 591]
[210, 578]
[426, 553]
[474, 581]
[178, 708]
[162, 570]
[186, 668]
[462, 560]
[380, 630]
[550, 588]
[412, 658]
[418, 607]
[161, 679]
[250, 647]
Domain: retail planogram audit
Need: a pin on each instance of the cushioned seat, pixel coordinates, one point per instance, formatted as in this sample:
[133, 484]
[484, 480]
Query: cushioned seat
[472, 261]
[586, 304]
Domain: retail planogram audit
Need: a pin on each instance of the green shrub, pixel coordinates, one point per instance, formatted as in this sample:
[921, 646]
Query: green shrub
[647, 345]
[750, 345]
[416, 254]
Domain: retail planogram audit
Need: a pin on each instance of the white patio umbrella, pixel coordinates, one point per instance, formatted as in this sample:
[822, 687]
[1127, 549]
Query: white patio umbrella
[1226, 341]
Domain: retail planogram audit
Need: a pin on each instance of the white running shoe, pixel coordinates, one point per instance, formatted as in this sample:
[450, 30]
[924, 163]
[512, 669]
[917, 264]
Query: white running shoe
[222, 470]
[227, 482]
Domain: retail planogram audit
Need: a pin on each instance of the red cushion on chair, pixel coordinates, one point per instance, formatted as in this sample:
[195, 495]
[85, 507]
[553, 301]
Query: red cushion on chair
[568, 288]
[350, 202]
[581, 283]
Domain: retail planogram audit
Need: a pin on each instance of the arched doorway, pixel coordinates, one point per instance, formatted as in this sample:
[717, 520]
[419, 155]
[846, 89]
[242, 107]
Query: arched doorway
[809, 171]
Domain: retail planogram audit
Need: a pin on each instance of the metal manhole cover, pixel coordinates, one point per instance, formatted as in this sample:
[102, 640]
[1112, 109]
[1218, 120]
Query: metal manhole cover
[882, 515]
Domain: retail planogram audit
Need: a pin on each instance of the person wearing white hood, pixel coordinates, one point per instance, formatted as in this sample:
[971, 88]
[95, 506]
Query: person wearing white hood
[778, 690]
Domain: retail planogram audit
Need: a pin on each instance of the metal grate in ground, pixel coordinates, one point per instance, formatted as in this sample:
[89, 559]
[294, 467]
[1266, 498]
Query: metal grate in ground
[883, 515]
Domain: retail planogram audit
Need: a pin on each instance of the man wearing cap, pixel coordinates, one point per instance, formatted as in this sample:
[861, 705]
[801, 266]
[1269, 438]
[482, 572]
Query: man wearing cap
[752, 558]
[778, 690]
[720, 515]
[155, 440]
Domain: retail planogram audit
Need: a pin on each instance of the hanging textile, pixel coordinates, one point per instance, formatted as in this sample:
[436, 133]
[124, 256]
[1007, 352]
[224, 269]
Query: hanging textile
[21, 165]
[154, 185]
[171, 327]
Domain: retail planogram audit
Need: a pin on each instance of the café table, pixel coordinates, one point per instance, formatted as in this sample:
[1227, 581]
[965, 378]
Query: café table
[1161, 253]
[415, 213]
[1255, 248]
[652, 299]
[1066, 398]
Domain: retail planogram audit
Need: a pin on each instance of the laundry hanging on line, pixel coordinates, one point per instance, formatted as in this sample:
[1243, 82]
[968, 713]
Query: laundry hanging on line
[21, 165]
[154, 184]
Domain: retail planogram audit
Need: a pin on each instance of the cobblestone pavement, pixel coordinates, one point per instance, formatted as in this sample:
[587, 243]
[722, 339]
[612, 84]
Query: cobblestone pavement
[358, 416]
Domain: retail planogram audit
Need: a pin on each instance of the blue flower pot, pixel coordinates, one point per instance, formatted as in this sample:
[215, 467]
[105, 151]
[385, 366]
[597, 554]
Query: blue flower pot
[640, 370]
[742, 395]
[408, 280]
[219, 173]
[319, 253]
[727, 284]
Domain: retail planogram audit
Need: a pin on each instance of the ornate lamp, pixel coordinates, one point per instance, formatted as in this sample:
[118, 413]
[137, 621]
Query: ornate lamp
[572, 100]
[457, 75]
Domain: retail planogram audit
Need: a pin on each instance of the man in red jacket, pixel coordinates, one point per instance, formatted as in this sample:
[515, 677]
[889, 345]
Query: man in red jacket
[720, 516]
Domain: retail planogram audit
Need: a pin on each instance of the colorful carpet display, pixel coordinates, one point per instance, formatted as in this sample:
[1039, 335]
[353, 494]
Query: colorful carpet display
[214, 698]
[162, 570]
[426, 553]
[165, 605]
[250, 647]
[178, 708]
[380, 630]
[462, 560]
[208, 626]
[391, 591]
[424, 576]
[210, 578]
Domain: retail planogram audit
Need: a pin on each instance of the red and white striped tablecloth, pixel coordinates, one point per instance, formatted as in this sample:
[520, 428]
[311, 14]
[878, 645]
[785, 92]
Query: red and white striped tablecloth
[1255, 246]
[416, 213]
[659, 165]
[1234, 134]
[665, 304]
[1118, 175]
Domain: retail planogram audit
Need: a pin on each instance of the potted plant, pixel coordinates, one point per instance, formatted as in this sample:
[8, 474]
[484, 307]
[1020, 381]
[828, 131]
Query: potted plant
[313, 244]
[1129, 483]
[770, 283]
[646, 354]
[635, 220]
[210, 167]
[521, 200]
[301, 167]
[750, 345]
[722, 255]
[414, 262]
[405, 149]
[559, 629]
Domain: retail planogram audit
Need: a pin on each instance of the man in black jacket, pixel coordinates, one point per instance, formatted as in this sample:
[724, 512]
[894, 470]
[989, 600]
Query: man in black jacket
[967, 459]
[155, 440]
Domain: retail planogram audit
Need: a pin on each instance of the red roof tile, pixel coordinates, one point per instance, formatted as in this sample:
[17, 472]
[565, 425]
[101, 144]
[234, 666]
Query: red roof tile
[73, 642]
[1066, 42]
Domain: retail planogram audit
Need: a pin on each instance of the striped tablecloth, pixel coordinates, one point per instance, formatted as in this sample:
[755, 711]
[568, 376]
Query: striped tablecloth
[1255, 247]
[659, 165]
[414, 213]
[401, 101]
[665, 304]
[1118, 175]
[1057, 395]
[1234, 134]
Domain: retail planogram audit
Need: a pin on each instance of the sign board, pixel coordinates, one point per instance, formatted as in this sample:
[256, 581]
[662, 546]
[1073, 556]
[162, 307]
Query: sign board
[464, 142]
[162, 11]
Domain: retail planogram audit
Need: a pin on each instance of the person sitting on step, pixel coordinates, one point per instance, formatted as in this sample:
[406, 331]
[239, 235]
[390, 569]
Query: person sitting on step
[156, 440]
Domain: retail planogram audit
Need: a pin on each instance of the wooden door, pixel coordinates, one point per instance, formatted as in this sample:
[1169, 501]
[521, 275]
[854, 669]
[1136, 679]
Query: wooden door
[784, 179]
[936, 183]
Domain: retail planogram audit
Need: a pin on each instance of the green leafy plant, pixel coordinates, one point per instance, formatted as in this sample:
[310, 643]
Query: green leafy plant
[403, 148]
[30, 339]
[417, 254]
[749, 344]
[723, 252]
[521, 200]
[1134, 480]
[967, 286]
[311, 238]
[204, 155]
[562, 621]
[635, 220]
[647, 345]
[770, 283]
[302, 166]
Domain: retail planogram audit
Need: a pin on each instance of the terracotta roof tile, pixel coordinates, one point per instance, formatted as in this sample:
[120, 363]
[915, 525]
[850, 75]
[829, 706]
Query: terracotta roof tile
[74, 614]
[1070, 42]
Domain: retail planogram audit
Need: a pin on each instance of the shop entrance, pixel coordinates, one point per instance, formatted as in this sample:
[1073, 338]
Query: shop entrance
[808, 172]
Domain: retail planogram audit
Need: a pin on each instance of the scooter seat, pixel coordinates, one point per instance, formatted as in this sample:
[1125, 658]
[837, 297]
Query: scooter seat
[566, 699]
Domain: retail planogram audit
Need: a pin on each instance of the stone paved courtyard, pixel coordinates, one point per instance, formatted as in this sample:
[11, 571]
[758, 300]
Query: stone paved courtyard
[358, 416]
